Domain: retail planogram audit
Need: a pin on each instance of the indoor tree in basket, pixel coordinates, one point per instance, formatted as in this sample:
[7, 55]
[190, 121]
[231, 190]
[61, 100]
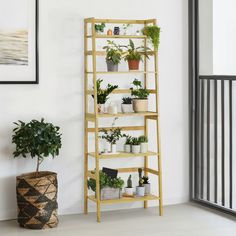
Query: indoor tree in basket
[37, 190]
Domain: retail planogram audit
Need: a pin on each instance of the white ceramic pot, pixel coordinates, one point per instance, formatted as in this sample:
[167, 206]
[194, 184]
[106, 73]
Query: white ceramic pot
[112, 109]
[129, 191]
[143, 147]
[147, 188]
[140, 105]
[127, 148]
[140, 191]
[113, 148]
[101, 108]
[127, 108]
[135, 148]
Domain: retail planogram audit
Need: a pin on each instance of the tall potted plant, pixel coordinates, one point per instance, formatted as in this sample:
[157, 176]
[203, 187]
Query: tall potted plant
[140, 100]
[37, 191]
[113, 55]
[102, 94]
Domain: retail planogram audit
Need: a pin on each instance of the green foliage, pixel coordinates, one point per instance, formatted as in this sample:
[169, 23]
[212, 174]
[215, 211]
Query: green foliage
[113, 134]
[114, 52]
[100, 27]
[102, 94]
[105, 181]
[36, 138]
[129, 182]
[141, 181]
[135, 53]
[145, 180]
[135, 141]
[128, 140]
[138, 91]
[143, 139]
[126, 100]
[153, 33]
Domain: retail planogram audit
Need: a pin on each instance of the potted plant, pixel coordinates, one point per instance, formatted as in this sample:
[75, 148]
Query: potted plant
[146, 185]
[153, 33]
[126, 106]
[102, 94]
[140, 100]
[143, 144]
[126, 27]
[134, 55]
[99, 28]
[112, 136]
[140, 189]
[37, 191]
[128, 143]
[113, 55]
[110, 188]
[135, 145]
[129, 190]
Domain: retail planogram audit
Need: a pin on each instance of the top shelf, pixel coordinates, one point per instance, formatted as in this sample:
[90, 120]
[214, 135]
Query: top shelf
[119, 21]
[104, 36]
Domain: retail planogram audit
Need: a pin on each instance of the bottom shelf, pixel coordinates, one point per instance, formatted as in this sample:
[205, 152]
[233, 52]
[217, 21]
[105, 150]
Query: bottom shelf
[125, 199]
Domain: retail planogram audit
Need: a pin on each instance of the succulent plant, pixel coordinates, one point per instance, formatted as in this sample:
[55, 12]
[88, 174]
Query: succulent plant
[145, 180]
[135, 141]
[143, 139]
[126, 100]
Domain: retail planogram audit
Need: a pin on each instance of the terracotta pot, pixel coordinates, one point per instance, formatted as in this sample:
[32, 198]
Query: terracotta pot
[140, 105]
[133, 64]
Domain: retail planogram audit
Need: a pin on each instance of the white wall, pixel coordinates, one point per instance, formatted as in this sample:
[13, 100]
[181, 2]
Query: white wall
[59, 97]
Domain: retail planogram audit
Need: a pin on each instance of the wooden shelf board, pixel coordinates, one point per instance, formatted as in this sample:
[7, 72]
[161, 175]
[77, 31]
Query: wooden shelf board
[104, 36]
[149, 113]
[103, 53]
[125, 199]
[122, 154]
[121, 91]
[122, 72]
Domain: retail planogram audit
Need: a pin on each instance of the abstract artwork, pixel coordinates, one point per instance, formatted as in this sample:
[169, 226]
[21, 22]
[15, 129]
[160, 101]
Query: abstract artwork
[18, 41]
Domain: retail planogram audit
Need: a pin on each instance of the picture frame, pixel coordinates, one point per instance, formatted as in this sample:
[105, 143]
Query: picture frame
[19, 56]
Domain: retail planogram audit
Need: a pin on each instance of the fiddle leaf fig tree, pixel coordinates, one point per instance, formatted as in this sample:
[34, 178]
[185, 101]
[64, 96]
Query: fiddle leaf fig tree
[37, 139]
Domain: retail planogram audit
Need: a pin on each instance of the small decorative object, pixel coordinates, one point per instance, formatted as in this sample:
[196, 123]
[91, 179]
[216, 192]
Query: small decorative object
[143, 144]
[116, 30]
[109, 32]
[129, 191]
[126, 106]
[146, 185]
[110, 187]
[113, 55]
[112, 109]
[112, 135]
[37, 191]
[134, 55]
[99, 28]
[140, 100]
[102, 95]
[138, 32]
[140, 189]
[135, 145]
[153, 33]
[128, 143]
[125, 28]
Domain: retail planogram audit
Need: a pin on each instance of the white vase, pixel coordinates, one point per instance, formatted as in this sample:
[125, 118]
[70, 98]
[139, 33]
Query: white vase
[112, 109]
[113, 148]
[135, 149]
[127, 148]
[140, 191]
[129, 191]
[147, 188]
[127, 108]
[144, 147]
[101, 108]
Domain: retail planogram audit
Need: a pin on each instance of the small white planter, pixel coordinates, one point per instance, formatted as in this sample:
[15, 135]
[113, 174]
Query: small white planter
[127, 148]
[101, 108]
[127, 108]
[143, 147]
[147, 188]
[113, 148]
[112, 109]
[136, 149]
[129, 191]
[140, 191]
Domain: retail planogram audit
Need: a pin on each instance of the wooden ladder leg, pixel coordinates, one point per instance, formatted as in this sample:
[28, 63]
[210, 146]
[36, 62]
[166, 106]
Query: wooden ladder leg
[86, 168]
[146, 157]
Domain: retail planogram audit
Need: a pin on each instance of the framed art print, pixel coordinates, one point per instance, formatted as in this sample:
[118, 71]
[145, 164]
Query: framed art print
[19, 42]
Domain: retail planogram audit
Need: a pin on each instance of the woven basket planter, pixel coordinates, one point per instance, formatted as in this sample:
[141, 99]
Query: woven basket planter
[37, 200]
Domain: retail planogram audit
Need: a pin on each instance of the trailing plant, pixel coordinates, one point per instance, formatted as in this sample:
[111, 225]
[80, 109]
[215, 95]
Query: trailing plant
[128, 140]
[153, 33]
[113, 52]
[145, 180]
[102, 94]
[134, 53]
[126, 100]
[138, 91]
[129, 182]
[37, 139]
[100, 27]
[135, 141]
[113, 134]
[105, 181]
[143, 139]
[140, 182]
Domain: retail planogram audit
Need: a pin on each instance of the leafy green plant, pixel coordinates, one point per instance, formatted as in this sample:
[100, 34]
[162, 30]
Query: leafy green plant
[113, 134]
[145, 180]
[153, 33]
[128, 139]
[129, 182]
[126, 100]
[138, 91]
[135, 53]
[135, 141]
[102, 94]
[113, 52]
[105, 181]
[100, 27]
[37, 139]
[143, 139]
